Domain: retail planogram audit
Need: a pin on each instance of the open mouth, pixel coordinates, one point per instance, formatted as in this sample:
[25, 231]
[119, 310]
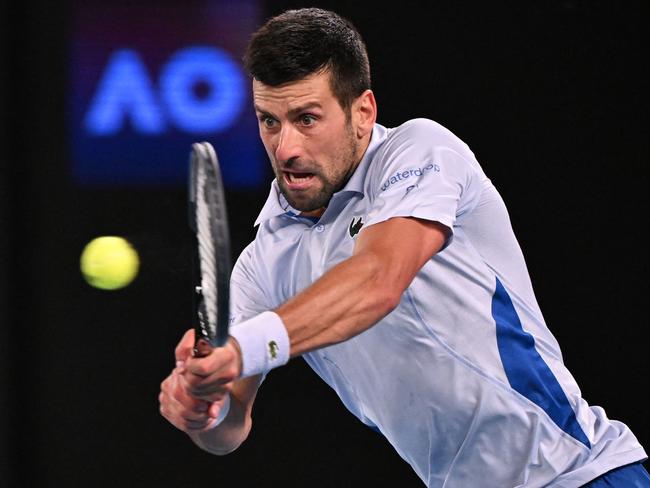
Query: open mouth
[298, 181]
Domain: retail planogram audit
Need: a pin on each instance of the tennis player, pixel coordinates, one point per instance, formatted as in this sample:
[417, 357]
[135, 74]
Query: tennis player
[386, 258]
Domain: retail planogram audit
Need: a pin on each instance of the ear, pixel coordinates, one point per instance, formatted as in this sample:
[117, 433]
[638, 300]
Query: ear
[364, 113]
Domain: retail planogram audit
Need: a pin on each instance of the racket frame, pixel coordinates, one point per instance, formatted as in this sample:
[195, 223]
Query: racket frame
[209, 336]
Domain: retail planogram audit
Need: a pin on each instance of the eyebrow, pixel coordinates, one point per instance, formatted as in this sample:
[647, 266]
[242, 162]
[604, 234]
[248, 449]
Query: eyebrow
[294, 111]
[304, 108]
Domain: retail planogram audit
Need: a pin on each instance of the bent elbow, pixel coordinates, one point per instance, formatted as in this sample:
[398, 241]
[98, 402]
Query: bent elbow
[384, 291]
[387, 298]
[392, 300]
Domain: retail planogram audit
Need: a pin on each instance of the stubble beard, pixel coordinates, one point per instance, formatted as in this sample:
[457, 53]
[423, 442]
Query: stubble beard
[343, 166]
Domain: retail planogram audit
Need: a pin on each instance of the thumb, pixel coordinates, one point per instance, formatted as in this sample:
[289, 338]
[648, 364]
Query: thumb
[184, 348]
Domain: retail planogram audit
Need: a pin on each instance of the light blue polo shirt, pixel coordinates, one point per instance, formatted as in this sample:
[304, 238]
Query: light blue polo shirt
[463, 378]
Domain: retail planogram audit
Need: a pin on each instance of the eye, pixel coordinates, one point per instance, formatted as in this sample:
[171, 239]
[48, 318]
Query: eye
[267, 121]
[307, 119]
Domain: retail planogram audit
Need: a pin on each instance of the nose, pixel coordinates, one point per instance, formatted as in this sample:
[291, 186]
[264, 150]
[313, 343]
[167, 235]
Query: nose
[289, 144]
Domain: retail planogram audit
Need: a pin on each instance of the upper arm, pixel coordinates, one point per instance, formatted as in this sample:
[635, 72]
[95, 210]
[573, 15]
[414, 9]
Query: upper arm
[423, 180]
[247, 298]
[402, 245]
[246, 301]
[423, 171]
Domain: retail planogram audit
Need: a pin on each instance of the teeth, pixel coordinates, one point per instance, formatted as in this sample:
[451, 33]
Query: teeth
[297, 178]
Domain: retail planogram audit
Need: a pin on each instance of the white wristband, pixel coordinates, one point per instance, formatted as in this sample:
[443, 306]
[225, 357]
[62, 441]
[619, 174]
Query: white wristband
[225, 408]
[264, 343]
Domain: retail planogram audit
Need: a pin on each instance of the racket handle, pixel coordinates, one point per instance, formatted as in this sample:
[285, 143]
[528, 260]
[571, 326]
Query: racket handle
[201, 348]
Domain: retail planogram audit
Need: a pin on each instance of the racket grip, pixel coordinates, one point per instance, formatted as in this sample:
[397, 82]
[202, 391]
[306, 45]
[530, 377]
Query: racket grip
[201, 348]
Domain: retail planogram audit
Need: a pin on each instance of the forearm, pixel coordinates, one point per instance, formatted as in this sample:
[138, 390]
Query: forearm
[350, 298]
[344, 302]
[360, 291]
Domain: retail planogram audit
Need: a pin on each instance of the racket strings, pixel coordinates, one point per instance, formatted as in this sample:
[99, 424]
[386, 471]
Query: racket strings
[206, 248]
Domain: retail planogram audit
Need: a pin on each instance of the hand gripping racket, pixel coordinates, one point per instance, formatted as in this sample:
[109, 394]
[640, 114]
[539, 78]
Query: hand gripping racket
[211, 251]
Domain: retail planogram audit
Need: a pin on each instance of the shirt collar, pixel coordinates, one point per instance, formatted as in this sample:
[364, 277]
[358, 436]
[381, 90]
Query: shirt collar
[276, 204]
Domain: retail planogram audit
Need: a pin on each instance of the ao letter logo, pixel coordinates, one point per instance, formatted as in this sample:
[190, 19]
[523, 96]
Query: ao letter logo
[126, 91]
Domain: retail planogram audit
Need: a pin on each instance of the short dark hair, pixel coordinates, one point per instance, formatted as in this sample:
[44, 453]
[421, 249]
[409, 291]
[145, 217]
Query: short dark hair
[298, 43]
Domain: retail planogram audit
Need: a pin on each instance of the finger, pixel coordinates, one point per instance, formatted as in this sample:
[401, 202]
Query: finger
[183, 350]
[180, 398]
[210, 398]
[180, 415]
[177, 410]
[222, 361]
[210, 389]
[182, 394]
[204, 391]
[181, 423]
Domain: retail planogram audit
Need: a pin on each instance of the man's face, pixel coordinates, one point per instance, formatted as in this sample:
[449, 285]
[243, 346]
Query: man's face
[310, 141]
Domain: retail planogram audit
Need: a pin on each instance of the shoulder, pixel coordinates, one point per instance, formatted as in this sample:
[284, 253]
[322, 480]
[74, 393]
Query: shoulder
[413, 152]
[419, 125]
[417, 141]
[426, 140]
[424, 133]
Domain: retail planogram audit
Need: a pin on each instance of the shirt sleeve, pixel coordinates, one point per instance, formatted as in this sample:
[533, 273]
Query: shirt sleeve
[246, 296]
[423, 171]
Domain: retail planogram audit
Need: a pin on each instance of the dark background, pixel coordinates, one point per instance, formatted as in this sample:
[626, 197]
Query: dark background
[551, 96]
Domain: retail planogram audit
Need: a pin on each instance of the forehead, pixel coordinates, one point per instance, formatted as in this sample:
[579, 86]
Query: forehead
[314, 88]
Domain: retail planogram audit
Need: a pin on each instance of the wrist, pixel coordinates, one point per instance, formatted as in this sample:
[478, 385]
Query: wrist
[232, 342]
[263, 344]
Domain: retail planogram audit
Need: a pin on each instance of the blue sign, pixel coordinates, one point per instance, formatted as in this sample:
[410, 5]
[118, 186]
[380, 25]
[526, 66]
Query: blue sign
[139, 97]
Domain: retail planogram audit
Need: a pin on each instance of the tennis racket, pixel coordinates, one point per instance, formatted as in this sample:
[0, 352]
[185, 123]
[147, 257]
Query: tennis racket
[211, 264]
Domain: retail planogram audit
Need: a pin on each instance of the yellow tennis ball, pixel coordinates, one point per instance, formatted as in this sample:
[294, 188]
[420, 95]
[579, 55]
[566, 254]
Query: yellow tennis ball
[109, 262]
